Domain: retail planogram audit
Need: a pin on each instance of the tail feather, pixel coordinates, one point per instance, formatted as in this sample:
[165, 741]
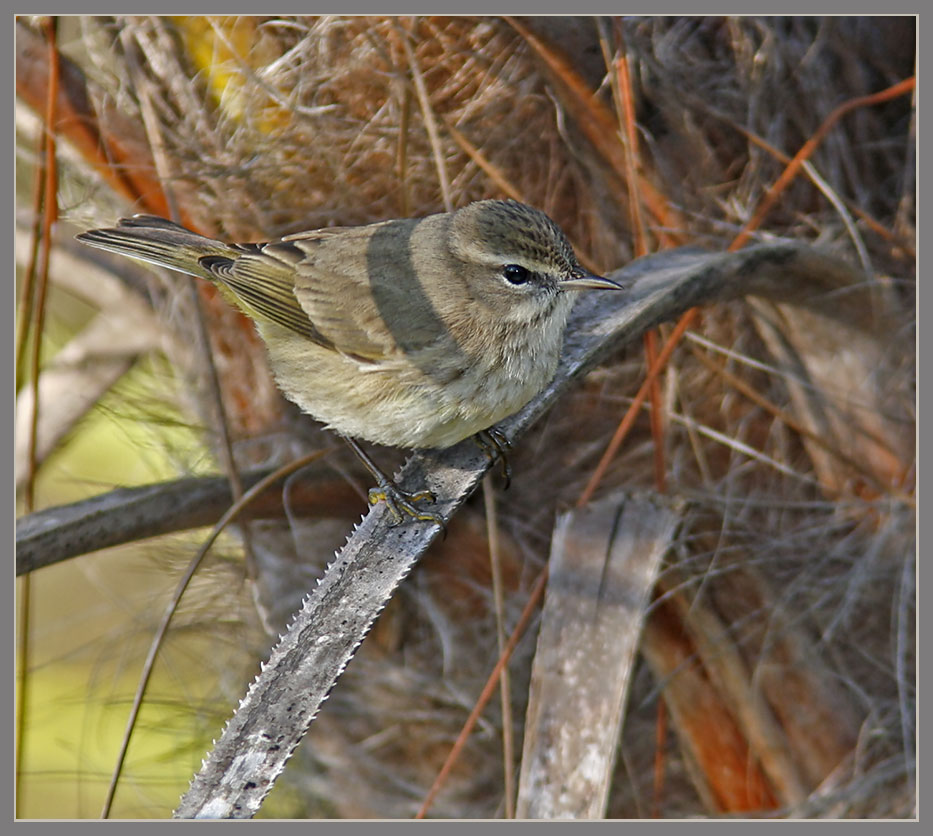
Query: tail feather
[159, 241]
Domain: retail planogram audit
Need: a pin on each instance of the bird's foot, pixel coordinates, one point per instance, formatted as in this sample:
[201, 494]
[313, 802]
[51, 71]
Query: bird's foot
[496, 446]
[401, 502]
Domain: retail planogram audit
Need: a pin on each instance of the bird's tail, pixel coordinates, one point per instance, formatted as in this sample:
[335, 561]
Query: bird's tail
[162, 242]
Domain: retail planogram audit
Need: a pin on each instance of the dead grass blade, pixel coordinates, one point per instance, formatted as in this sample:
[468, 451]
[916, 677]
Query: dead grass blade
[603, 565]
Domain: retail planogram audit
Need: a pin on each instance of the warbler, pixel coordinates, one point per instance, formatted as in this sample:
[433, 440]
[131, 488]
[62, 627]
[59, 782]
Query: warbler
[413, 333]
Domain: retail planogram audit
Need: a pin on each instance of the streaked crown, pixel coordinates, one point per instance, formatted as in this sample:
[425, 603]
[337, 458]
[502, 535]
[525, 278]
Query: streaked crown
[498, 232]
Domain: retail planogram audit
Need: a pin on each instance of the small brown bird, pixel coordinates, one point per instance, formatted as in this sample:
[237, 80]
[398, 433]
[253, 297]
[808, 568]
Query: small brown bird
[409, 333]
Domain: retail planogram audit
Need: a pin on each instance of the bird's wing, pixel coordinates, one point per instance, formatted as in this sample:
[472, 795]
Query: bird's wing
[354, 290]
[363, 290]
[262, 282]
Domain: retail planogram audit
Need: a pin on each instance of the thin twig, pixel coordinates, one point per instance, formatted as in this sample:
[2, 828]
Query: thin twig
[809, 147]
[789, 420]
[49, 215]
[163, 168]
[597, 123]
[113, 149]
[430, 123]
[28, 292]
[156, 643]
[486, 694]
[629, 135]
[498, 178]
[505, 692]
[628, 420]
[660, 744]
[817, 179]
[402, 148]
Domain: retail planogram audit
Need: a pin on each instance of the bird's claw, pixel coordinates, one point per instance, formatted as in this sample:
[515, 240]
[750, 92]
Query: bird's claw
[496, 446]
[401, 502]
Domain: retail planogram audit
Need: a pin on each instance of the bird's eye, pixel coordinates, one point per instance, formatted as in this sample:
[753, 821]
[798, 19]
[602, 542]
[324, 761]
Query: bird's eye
[516, 274]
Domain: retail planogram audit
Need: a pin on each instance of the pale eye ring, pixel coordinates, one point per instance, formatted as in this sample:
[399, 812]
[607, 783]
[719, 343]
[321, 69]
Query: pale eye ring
[516, 274]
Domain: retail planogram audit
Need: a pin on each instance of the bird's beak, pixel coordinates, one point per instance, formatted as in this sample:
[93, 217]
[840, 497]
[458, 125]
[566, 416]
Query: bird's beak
[589, 281]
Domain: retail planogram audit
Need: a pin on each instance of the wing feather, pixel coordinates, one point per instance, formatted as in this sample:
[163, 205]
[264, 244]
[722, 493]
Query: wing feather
[354, 290]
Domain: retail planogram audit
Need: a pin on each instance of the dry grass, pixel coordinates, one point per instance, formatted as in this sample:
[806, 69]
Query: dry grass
[270, 126]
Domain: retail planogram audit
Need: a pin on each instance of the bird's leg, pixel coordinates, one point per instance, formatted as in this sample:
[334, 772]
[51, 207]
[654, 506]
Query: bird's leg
[395, 498]
[496, 446]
